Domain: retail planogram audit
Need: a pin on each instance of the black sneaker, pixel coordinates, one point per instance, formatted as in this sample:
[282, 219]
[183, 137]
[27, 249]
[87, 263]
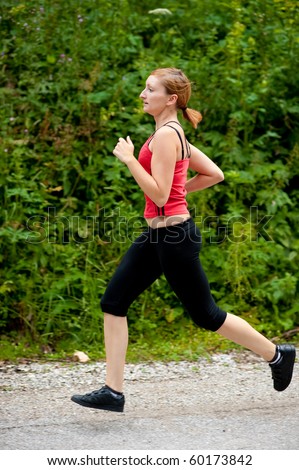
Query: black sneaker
[282, 370]
[103, 399]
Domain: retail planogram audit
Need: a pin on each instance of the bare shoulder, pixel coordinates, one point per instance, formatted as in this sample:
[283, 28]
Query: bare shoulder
[164, 132]
[165, 136]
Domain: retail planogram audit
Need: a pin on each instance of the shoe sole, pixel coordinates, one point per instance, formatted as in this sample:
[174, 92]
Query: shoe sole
[99, 407]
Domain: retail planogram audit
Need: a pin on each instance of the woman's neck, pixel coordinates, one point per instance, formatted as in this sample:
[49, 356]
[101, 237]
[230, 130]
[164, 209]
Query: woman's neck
[163, 119]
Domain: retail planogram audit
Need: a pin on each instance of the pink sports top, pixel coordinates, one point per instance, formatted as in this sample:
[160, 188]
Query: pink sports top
[176, 203]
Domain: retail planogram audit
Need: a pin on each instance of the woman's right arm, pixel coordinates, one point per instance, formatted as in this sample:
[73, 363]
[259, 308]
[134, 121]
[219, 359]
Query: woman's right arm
[156, 186]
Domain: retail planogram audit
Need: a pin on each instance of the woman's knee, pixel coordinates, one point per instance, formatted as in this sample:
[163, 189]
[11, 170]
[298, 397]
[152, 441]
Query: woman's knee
[210, 320]
[114, 309]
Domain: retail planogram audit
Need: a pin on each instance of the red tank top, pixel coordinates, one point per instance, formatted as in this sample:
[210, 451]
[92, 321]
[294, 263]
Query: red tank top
[176, 203]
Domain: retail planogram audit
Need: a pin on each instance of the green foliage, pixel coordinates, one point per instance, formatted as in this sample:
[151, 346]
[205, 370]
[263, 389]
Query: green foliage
[70, 78]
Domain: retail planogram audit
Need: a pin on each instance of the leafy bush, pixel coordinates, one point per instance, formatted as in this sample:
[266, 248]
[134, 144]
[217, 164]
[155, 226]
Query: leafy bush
[70, 78]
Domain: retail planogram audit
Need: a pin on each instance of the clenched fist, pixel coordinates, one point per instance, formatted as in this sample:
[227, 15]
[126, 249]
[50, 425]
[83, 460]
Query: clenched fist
[124, 150]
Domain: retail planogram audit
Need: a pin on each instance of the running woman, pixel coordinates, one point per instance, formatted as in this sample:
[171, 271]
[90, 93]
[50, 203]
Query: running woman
[171, 243]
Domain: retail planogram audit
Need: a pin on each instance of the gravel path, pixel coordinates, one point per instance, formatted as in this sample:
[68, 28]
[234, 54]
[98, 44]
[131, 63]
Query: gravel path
[224, 402]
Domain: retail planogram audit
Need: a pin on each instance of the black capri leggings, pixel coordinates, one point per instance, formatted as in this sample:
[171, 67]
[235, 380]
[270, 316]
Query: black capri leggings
[173, 251]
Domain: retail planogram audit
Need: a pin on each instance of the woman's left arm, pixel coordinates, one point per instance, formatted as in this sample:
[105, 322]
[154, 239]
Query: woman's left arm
[208, 173]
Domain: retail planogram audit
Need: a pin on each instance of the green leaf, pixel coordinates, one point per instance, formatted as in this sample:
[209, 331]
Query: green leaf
[51, 59]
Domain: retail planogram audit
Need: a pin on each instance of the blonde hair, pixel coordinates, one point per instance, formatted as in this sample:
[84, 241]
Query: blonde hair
[176, 83]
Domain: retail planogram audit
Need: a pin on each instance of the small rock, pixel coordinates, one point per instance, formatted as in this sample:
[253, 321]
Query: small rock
[80, 356]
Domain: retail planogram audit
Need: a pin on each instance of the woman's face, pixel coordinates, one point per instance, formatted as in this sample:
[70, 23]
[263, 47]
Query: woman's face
[154, 96]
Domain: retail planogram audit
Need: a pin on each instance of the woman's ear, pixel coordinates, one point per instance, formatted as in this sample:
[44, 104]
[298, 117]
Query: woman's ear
[172, 99]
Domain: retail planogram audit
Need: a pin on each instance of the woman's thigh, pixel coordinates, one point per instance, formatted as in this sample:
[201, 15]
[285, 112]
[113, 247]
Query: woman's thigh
[179, 258]
[139, 268]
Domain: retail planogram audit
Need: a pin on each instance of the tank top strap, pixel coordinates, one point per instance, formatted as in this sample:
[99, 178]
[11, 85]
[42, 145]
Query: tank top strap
[188, 149]
[180, 137]
[181, 140]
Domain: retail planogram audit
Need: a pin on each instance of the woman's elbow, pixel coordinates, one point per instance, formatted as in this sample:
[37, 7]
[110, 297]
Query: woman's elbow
[160, 202]
[220, 176]
[161, 199]
[217, 176]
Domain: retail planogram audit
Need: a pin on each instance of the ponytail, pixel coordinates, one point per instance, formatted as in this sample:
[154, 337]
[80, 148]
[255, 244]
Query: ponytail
[193, 116]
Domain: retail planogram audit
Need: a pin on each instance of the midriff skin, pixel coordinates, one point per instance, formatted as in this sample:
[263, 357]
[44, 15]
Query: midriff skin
[167, 220]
